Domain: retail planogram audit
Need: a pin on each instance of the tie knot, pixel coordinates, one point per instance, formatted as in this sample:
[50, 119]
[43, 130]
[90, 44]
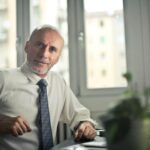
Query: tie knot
[42, 83]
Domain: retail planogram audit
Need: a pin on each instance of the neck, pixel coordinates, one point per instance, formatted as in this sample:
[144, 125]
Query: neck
[42, 75]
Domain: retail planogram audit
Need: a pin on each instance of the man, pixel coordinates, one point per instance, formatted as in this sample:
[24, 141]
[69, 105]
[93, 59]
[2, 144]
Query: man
[19, 96]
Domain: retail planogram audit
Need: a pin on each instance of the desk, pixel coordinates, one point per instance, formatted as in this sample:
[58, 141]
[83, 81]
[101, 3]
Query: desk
[70, 144]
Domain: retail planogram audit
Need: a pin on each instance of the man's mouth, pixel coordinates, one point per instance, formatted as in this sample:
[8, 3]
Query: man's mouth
[41, 62]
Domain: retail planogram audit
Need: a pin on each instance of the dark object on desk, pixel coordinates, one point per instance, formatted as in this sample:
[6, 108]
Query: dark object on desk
[100, 132]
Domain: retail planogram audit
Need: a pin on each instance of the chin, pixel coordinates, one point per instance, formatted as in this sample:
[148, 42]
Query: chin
[43, 72]
[40, 72]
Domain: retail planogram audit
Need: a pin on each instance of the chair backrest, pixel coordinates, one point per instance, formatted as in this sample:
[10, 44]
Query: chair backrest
[63, 133]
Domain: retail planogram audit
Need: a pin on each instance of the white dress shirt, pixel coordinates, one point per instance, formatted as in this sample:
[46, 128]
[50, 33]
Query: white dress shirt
[19, 96]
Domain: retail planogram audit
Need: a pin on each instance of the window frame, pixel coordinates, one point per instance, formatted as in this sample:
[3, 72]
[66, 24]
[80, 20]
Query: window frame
[22, 26]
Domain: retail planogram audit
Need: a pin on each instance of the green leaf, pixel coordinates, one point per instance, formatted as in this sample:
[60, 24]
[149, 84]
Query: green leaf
[128, 76]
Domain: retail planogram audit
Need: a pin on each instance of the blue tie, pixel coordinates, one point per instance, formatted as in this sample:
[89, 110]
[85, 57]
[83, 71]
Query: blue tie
[45, 126]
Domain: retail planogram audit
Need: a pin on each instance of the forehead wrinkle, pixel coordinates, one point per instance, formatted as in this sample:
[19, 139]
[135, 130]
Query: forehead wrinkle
[49, 37]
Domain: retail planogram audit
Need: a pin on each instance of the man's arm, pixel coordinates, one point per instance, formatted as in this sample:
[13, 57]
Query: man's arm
[85, 130]
[13, 125]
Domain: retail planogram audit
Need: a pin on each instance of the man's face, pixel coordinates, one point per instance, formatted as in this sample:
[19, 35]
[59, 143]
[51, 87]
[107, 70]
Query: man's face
[43, 51]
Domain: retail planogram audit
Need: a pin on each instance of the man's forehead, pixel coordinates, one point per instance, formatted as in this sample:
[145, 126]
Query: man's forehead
[46, 35]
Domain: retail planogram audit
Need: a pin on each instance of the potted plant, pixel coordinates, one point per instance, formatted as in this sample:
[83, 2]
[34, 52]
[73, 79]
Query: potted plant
[127, 124]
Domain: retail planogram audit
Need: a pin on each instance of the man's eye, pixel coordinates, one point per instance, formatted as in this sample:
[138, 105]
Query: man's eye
[40, 46]
[52, 49]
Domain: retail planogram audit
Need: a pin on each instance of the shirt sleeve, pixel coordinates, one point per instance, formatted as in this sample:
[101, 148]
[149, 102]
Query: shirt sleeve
[73, 111]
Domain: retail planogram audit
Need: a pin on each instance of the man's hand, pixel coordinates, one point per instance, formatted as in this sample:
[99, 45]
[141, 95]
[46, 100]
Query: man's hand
[14, 125]
[85, 131]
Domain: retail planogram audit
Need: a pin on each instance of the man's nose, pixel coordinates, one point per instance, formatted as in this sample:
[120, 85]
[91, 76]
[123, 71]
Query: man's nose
[45, 51]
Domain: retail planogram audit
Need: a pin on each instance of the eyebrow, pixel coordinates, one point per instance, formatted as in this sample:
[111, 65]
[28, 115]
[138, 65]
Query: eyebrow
[40, 42]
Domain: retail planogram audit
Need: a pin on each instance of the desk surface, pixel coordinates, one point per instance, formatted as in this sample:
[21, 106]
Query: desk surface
[70, 144]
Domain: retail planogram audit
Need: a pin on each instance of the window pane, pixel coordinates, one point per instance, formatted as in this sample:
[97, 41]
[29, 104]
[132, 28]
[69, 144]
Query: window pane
[105, 43]
[7, 33]
[53, 12]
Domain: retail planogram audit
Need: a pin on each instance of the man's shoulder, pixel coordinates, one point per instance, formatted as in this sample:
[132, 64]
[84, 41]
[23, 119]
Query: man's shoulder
[10, 73]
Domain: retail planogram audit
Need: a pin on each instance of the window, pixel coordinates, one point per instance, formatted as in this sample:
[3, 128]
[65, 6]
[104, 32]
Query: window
[112, 13]
[8, 34]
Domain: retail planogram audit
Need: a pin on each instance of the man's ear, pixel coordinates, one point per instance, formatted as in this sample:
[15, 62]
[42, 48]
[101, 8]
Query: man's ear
[26, 46]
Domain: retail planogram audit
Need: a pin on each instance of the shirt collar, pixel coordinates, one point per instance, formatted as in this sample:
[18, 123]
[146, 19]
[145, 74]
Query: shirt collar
[34, 78]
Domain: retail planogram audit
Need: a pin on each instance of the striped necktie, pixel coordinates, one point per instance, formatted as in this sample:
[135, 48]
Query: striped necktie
[45, 125]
